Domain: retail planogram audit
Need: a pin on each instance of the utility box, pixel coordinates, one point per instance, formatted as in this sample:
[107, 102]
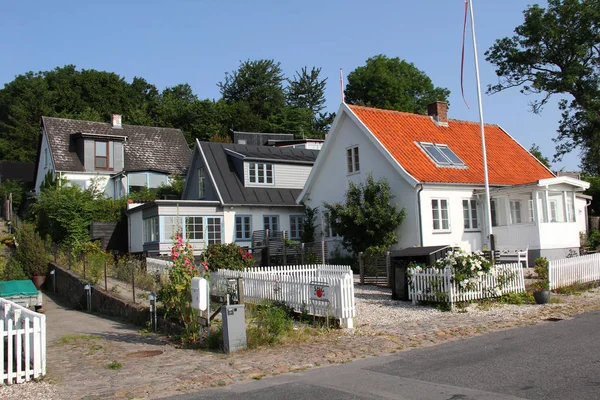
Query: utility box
[234, 327]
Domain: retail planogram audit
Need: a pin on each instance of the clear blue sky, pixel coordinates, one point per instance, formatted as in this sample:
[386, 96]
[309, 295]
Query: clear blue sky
[197, 41]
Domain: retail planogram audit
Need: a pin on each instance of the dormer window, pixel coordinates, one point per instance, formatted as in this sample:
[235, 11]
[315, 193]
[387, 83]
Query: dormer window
[260, 173]
[101, 155]
[442, 155]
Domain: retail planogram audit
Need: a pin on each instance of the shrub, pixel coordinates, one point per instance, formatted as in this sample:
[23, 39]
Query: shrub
[593, 240]
[467, 268]
[13, 271]
[226, 256]
[271, 323]
[31, 251]
[541, 269]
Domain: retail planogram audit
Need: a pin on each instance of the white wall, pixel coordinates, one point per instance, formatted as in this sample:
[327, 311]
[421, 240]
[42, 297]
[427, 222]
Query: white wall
[135, 233]
[581, 215]
[457, 235]
[45, 163]
[84, 180]
[285, 176]
[330, 182]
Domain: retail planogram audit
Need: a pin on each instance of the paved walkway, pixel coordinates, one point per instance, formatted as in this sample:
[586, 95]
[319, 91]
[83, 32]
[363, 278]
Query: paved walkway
[82, 345]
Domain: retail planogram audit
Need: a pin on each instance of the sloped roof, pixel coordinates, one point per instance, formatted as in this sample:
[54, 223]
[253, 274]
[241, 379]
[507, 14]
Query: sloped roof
[399, 132]
[146, 148]
[231, 185]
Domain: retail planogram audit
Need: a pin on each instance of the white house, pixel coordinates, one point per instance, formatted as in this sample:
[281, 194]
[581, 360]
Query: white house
[231, 190]
[435, 170]
[118, 158]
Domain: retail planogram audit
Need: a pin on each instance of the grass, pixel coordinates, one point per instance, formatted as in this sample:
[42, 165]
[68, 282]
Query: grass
[75, 339]
[577, 288]
[115, 366]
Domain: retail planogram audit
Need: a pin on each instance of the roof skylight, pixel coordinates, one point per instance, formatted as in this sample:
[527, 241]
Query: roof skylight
[442, 155]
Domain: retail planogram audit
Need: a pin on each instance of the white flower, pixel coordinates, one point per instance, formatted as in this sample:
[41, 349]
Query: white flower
[498, 292]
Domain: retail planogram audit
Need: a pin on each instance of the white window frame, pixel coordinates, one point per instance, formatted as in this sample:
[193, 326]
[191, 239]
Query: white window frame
[440, 219]
[258, 171]
[296, 226]
[201, 182]
[211, 226]
[516, 218]
[150, 230]
[194, 235]
[241, 222]
[470, 223]
[570, 205]
[352, 160]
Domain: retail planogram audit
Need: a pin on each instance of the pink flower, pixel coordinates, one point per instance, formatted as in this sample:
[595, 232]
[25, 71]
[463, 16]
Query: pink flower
[241, 251]
[176, 254]
[187, 261]
[179, 239]
[244, 256]
[205, 265]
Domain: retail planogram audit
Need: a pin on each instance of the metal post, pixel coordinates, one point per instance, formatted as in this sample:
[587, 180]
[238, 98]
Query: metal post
[302, 253]
[133, 280]
[53, 273]
[284, 235]
[84, 260]
[322, 251]
[361, 268]
[105, 278]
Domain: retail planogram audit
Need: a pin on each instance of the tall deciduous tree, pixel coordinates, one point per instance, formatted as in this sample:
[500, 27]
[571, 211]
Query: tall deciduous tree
[368, 219]
[392, 84]
[537, 153]
[556, 51]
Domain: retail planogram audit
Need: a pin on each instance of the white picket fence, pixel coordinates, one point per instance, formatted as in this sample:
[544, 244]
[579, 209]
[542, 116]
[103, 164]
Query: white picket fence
[568, 271]
[292, 285]
[438, 285]
[23, 353]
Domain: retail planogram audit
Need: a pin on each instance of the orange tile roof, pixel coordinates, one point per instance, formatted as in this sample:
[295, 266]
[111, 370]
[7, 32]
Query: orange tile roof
[508, 162]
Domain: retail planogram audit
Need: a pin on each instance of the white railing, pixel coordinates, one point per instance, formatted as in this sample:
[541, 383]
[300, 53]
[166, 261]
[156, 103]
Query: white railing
[292, 285]
[572, 270]
[23, 350]
[438, 285]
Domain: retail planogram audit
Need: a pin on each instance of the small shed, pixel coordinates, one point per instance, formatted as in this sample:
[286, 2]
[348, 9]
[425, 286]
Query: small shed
[400, 259]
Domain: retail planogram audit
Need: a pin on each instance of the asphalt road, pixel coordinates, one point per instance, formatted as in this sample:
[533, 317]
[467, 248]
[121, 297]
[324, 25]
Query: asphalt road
[551, 360]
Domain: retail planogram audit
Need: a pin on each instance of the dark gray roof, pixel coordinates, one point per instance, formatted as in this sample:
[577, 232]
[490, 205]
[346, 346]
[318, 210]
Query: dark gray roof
[274, 153]
[231, 185]
[146, 148]
[260, 139]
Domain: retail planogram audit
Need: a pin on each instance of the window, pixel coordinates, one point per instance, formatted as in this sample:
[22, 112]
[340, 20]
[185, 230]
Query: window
[296, 226]
[515, 211]
[201, 182]
[353, 160]
[271, 222]
[171, 226]
[493, 212]
[439, 208]
[553, 211]
[194, 228]
[101, 152]
[150, 230]
[470, 214]
[531, 214]
[570, 208]
[45, 158]
[442, 155]
[260, 173]
[213, 230]
[243, 227]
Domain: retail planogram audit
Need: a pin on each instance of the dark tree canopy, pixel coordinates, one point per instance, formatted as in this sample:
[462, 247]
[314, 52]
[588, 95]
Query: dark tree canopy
[556, 51]
[392, 84]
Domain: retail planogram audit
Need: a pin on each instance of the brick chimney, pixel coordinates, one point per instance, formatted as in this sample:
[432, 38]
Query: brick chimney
[116, 121]
[439, 112]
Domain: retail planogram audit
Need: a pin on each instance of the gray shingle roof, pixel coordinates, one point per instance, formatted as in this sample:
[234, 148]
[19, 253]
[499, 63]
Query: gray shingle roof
[146, 148]
[231, 186]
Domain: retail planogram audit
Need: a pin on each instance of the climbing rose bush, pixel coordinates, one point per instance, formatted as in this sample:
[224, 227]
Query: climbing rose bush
[176, 293]
[226, 256]
[468, 268]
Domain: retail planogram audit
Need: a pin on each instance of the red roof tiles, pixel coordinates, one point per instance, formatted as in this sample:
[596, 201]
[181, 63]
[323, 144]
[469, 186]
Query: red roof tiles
[399, 132]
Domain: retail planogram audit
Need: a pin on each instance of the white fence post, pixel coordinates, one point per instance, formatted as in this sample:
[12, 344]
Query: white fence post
[569, 271]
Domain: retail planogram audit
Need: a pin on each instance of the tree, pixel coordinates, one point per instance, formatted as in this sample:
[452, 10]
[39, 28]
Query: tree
[307, 91]
[536, 152]
[392, 84]
[556, 51]
[368, 220]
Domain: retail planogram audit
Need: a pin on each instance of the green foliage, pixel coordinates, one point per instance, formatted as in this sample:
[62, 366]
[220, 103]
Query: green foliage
[467, 268]
[536, 152]
[31, 252]
[369, 217]
[541, 269]
[392, 84]
[66, 212]
[115, 366]
[176, 294]
[309, 228]
[173, 190]
[593, 240]
[594, 191]
[555, 52]
[226, 256]
[517, 298]
[17, 188]
[270, 323]
[12, 270]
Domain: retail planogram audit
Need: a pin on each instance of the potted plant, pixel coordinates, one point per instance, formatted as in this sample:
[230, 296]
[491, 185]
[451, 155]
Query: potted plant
[541, 287]
[31, 254]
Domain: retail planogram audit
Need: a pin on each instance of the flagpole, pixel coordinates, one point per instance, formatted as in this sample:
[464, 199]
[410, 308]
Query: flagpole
[342, 85]
[481, 124]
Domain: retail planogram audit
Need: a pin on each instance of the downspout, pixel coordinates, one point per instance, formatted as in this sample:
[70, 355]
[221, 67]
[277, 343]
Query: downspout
[420, 223]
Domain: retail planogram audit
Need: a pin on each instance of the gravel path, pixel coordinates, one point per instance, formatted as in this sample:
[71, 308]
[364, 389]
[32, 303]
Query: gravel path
[383, 326]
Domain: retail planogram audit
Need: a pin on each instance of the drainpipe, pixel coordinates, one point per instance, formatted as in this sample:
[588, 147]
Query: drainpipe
[419, 215]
